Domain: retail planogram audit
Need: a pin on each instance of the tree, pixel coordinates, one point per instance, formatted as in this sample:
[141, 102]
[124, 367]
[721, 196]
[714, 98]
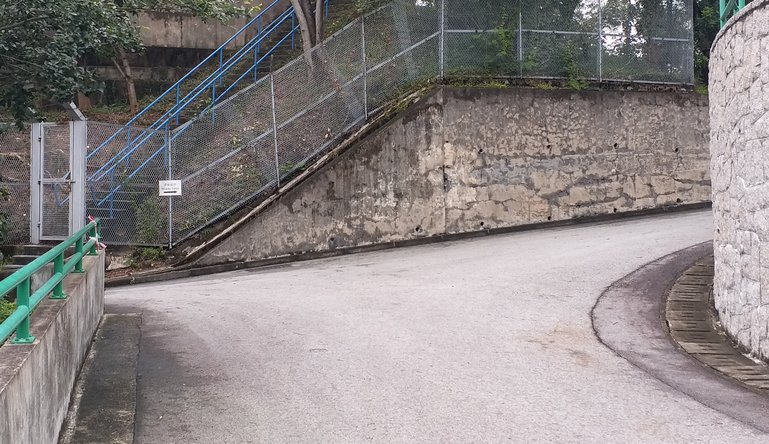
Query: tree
[42, 42]
[310, 18]
[706, 25]
[128, 9]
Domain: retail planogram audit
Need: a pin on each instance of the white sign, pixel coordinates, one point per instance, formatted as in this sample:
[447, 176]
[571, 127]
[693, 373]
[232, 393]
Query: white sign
[170, 187]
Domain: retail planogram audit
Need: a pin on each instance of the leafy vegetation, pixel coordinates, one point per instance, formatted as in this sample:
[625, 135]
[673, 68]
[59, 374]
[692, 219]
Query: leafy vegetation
[43, 42]
[147, 256]
[149, 220]
[6, 308]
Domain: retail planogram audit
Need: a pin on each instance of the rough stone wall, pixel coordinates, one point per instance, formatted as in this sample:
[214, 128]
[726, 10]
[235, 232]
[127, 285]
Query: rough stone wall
[464, 160]
[739, 112]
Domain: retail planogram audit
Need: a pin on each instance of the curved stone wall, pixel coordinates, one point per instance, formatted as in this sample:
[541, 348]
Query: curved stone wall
[739, 146]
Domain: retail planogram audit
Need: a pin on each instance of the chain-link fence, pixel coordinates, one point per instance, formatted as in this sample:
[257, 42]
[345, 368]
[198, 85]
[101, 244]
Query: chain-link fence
[246, 146]
[14, 185]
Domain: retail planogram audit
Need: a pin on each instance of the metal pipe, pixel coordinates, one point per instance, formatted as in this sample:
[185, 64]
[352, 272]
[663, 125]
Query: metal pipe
[363, 60]
[274, 125]
[22, 302]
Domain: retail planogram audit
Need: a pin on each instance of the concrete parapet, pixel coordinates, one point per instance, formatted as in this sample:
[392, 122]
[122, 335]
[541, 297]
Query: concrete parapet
[36, 380]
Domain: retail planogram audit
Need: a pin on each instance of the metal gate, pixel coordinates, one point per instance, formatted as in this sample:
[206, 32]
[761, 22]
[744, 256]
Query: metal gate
[57, 200]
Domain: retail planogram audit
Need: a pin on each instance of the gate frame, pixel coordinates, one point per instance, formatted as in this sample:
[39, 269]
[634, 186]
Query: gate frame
[78, 141]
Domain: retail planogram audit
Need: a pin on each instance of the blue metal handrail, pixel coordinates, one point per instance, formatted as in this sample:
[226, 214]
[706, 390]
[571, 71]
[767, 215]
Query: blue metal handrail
[196, 92]
[211, 81]
[205, 85]
[176, 87]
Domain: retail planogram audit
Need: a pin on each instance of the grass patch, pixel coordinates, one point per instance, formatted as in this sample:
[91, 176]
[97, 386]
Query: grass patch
[147, 256]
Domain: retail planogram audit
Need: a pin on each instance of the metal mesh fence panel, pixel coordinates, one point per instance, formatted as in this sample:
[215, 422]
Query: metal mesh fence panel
[402, 49]
[14, 185]
[257, 138]
[223, 157]
[123, 193]
[647, 41]
[55, 165]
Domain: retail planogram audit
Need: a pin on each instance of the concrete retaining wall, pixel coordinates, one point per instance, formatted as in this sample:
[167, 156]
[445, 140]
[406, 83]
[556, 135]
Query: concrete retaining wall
[464, 160]
[739, 112]
[36, 380]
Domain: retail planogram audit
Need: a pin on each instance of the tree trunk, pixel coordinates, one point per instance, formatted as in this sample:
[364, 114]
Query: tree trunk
[304, 29]
[319, 11]
[124, 68]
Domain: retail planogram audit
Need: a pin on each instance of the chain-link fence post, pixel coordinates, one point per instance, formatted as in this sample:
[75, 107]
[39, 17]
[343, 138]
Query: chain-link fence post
[274, 125]
[169, 176]
[78, 150]
[363, 62]
[600, 42]
[442, 38]
[520, 44]
[35, 183]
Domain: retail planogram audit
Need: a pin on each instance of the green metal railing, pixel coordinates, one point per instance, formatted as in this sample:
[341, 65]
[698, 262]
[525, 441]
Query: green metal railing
[729, 8]
[18, 321]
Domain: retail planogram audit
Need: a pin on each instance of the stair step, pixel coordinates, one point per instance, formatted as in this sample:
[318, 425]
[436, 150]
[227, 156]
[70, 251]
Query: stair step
[23, 259]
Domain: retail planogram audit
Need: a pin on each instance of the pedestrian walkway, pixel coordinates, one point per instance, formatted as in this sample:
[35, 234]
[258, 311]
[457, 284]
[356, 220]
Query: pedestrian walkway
[482, 340]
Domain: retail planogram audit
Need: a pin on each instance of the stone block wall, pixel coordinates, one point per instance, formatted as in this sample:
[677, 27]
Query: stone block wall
[739, 113]
[471, 159]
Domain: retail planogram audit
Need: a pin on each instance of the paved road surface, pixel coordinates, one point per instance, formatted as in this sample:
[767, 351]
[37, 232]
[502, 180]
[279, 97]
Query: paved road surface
[483, 340]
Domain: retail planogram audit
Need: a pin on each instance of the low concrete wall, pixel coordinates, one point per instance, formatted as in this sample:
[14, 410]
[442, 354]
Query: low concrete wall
[739, 112]
[36, 380]
[464, 160]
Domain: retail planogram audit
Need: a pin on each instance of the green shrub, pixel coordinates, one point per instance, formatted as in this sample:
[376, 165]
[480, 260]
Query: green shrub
[6, 308]
[147, 256]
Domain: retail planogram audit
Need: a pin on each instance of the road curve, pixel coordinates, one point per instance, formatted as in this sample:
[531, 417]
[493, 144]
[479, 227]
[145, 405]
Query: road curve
[487, 339]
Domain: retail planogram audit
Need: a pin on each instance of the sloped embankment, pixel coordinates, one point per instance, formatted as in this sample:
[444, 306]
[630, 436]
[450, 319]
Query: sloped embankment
[462, 160]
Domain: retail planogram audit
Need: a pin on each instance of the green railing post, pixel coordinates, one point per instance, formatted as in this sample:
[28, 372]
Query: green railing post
[94, 234]
[722, 12]
[58, 268]
[79, 252]
[22, 300]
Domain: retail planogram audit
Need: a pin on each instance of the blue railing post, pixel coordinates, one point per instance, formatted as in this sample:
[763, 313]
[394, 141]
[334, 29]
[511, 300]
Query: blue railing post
[213, 103]
[177, 103]
[58, 268]
[22, 300]
[293, 25]
[221, 63]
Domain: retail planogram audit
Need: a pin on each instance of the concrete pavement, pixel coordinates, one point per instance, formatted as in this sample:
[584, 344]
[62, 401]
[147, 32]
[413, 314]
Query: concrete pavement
[484, 340]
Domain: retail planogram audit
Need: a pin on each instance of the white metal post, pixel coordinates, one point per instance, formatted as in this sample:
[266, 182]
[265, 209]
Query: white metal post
[520, 44]
[36, 150]
[600, 42]
[78, 149]
[363, 60]
[274, 125]
[169, 176]
[442, 38]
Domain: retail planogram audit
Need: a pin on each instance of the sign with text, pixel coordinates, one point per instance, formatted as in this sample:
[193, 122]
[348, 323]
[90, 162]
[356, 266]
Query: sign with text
[170, 187]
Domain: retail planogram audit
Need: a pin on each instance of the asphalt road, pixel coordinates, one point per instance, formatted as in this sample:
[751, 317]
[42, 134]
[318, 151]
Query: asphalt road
[482, 340]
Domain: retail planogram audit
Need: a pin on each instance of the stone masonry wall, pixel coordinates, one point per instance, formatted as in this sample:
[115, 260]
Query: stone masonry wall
[739, 113]
[463, 160]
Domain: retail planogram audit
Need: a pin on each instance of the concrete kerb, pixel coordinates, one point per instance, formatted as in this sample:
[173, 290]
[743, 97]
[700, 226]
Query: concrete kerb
[692, 322]
[192, 270]
[629, 319]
